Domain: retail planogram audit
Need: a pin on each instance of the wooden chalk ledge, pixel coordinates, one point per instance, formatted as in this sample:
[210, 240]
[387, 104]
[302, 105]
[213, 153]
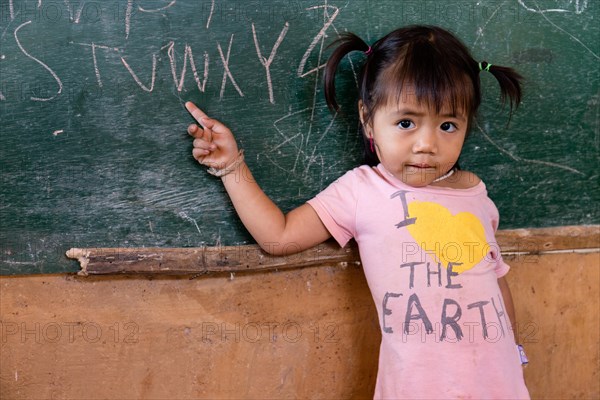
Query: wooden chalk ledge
[202, 260]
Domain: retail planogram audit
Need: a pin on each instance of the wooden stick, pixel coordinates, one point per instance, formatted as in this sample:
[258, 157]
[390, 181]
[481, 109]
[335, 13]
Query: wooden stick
[203, 260]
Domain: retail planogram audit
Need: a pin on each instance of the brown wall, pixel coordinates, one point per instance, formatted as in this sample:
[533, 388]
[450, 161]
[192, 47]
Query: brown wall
[301, 333]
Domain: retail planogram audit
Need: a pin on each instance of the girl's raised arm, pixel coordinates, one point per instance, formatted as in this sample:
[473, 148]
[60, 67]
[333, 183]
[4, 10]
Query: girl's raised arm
[276, 233]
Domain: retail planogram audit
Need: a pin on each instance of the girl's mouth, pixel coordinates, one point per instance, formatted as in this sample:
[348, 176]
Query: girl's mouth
[420, 166]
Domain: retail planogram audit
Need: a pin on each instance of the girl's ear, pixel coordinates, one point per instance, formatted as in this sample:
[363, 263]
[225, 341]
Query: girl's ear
[361, 114]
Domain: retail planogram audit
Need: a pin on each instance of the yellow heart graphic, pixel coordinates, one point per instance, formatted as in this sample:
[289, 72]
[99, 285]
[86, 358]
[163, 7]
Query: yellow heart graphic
[459, 239]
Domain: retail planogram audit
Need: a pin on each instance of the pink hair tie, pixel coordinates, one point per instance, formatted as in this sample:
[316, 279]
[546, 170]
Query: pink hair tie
[369, 51]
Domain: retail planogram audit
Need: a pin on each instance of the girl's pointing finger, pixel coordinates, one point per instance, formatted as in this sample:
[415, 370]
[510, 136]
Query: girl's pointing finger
[197, 113]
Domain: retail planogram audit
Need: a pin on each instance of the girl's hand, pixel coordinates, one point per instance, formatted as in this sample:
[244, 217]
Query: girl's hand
[276, 233]
[214, 144]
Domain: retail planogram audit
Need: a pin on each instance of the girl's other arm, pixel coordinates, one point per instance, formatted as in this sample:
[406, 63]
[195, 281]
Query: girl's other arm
[510, 307]
[276, 233]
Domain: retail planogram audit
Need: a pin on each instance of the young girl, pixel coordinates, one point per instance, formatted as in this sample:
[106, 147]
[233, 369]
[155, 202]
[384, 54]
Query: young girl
[425, 228]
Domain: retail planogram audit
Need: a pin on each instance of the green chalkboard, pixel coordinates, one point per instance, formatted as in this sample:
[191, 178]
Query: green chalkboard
[93, 145]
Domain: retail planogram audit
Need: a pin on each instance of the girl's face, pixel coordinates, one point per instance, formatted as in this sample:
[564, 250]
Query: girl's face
[413, 142]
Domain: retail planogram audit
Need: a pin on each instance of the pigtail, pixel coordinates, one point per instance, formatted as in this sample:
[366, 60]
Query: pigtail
[509, 81]
[346, 43]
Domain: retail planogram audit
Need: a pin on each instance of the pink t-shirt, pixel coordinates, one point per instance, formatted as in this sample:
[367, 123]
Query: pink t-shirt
[432, 263]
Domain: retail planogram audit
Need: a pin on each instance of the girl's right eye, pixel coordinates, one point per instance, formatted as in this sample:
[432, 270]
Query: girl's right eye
[406, 124]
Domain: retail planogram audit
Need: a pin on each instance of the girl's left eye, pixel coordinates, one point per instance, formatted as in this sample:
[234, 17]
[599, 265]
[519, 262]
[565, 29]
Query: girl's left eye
[448, 127]
[406, 124]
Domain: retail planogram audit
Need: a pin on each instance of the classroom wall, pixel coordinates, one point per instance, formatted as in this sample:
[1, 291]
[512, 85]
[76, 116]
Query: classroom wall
[296, 333]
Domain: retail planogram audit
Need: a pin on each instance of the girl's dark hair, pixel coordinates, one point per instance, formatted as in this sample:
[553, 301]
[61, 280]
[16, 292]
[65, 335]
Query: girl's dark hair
[425, 61]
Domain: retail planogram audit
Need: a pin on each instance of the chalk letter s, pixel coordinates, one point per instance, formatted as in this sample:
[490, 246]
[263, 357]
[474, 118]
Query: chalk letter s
[58, 81]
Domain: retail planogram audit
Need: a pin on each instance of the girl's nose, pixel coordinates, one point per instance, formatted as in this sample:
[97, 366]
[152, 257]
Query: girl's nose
[425, 142]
